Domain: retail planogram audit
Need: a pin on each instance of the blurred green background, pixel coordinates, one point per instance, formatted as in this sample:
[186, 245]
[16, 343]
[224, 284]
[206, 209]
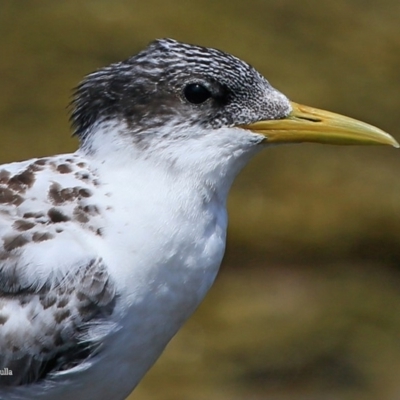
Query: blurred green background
[307, 304]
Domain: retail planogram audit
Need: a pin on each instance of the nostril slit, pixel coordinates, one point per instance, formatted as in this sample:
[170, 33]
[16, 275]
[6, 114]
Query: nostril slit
[311, 119]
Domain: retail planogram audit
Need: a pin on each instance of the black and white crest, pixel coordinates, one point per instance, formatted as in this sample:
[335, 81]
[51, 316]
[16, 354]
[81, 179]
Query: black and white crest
[175, 82]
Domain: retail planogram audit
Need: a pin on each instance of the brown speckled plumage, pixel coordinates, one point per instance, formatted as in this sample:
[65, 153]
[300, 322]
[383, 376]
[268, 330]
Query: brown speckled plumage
[61, 308]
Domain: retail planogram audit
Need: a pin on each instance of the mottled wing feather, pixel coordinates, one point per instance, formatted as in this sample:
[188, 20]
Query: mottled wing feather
[47, 329]
[54, 289]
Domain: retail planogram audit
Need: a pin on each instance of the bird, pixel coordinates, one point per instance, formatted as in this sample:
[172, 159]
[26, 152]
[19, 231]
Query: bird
[106, 252]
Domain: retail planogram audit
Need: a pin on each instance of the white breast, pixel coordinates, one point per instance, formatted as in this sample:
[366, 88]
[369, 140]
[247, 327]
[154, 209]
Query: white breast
[164, 250]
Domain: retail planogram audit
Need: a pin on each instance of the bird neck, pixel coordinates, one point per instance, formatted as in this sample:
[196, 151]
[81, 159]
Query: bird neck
[206, 160]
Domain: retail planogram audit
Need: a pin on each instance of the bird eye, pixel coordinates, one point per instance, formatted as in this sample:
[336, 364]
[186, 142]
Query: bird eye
[196, 93]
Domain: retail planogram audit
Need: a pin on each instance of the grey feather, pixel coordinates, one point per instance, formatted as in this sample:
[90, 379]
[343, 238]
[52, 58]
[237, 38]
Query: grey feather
[61, 314]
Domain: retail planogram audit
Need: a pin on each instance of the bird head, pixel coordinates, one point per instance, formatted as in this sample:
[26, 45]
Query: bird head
[172, 91]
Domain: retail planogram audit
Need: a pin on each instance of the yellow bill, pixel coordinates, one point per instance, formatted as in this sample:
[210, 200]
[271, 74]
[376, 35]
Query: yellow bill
[307, 124]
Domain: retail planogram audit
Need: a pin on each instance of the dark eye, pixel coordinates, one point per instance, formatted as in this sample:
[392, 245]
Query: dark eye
[196, 93]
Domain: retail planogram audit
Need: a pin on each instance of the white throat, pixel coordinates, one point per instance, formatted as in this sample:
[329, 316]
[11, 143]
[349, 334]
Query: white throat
[204, 157]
